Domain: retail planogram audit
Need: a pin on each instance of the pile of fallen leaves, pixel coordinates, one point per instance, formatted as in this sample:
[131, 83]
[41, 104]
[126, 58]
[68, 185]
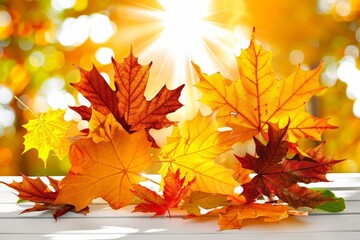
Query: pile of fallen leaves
[109, 159]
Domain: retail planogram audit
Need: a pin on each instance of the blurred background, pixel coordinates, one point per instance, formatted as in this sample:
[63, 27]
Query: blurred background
[43, 42]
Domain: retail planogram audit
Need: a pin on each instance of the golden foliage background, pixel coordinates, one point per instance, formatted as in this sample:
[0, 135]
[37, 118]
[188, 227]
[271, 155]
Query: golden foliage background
[37, 64]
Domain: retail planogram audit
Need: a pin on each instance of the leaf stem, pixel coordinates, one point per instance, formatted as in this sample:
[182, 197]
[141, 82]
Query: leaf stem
[148, 179]
[168, 210]
[22, 103]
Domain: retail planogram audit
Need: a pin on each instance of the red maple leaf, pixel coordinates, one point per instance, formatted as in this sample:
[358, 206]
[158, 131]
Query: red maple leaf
[174, 191]
[127, 102]
[278, 175]
[35, 190]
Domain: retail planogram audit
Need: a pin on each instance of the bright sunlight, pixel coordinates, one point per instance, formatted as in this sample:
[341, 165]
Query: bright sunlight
[185, 31]
[184, 22]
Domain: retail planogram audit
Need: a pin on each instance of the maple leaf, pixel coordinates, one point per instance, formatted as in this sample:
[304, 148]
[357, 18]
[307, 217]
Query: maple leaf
[49, 132]
[127, 102]
[35, 190]
[241, 175]
[100, 125]
[174, 190]
[192, 149]
[278, 175]
[107, 169]
[204, 200]
[231, 217]
[233, 209]
[258, 98]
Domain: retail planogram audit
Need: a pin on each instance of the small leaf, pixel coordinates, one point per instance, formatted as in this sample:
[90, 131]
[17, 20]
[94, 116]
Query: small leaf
[100, 125]
[35, 190]
[241, 175]
[49, 132]
[336, 206]
[204, 200]
[231, 217]
[174, 191]
[150, 201]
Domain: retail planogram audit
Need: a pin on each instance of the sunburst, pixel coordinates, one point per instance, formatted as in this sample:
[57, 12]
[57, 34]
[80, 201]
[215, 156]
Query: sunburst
[172, 33]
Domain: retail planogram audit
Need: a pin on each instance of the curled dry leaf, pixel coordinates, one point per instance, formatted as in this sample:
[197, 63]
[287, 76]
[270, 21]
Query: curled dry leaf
[35, 190]
[231, 217]
[233, 209]
[208, 201]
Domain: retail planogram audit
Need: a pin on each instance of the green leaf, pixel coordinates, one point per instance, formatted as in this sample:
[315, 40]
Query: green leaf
[336, 206]
[21, 201]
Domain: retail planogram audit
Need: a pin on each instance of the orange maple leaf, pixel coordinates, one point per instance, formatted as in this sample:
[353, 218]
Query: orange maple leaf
[127, 103]
[231, 217]
[203, 200]
[278, 175]
[35, 190]
[174, 191]
[258, 98]
[233, 209]
[106, 169]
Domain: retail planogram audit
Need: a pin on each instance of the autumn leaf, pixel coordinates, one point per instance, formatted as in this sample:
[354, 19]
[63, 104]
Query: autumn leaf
[231, 217]
[278, 175]
[49, 132]
[204, 200]
[311, 168]
[258, 98]
[174, 191]
[107, 169]
[241, 175]
[192, 149]
[233, 209]
[100, 125]
[35, 190]
[337, 205]
[127, 102]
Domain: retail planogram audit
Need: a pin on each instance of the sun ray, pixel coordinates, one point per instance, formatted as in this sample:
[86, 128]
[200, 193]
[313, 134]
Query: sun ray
[172, 33]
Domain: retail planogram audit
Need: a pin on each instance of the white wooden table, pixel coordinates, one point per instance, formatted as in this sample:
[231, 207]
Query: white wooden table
[105, 223]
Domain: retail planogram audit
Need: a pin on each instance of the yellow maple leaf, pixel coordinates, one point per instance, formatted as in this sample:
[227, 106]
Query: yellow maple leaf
[49, 132]
[258, 98]
[192, 149]
[107, 169]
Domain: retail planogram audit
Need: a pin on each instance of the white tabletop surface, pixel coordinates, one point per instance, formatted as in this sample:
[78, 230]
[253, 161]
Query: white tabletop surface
[105, 223]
